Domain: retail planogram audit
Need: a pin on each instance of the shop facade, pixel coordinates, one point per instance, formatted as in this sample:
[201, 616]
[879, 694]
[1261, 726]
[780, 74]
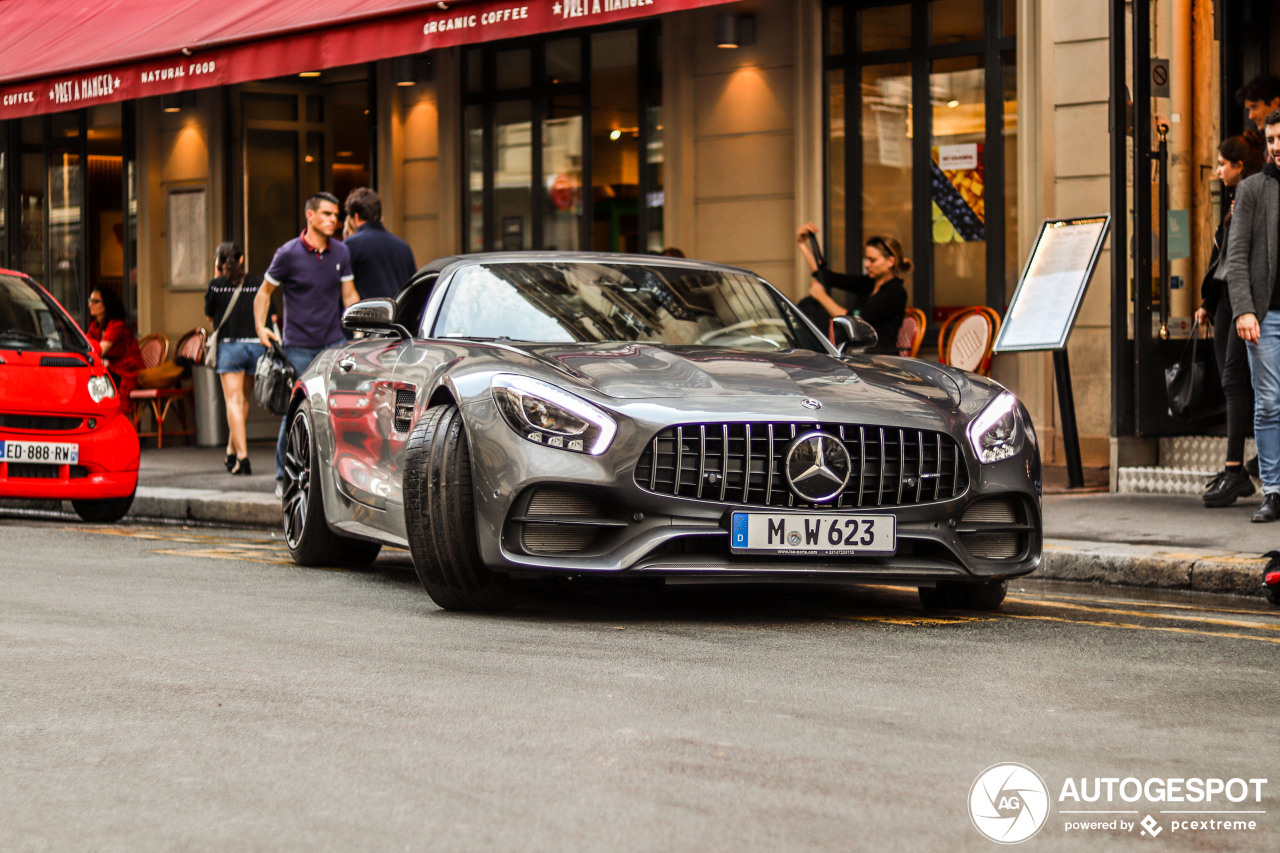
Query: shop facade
[616, 125]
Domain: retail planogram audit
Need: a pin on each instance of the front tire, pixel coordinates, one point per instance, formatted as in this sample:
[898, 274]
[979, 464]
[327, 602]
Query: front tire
[306, 531]
[439, 510]
[104, 511]
[952, 595]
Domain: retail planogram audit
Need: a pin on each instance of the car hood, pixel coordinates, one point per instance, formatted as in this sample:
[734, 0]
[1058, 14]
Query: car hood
[33, 381]
[638, 371]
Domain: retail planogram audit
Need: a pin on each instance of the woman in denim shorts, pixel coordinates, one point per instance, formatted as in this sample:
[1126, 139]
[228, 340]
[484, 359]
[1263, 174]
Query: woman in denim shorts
[238, 348]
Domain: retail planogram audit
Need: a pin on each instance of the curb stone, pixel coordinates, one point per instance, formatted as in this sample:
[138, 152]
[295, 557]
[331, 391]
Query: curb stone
[1152, 566]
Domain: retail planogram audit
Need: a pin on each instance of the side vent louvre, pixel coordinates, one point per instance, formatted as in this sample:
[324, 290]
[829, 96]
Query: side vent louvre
[404, 409]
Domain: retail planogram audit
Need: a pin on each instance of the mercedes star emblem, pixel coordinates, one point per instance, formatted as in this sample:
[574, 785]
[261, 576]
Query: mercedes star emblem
[810, 403]
[817, 466]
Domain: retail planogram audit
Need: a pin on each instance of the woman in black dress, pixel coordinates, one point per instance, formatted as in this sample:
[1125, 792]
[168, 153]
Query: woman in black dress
[1238, 158]
[878, 296]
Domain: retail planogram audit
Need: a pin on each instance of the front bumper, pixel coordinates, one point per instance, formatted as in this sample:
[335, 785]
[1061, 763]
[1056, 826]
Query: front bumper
[546, 511]
[107, 466]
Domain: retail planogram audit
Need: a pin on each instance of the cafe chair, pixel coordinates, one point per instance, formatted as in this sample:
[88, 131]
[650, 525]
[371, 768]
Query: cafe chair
[911, 333]
[173, 396]
[966, 338]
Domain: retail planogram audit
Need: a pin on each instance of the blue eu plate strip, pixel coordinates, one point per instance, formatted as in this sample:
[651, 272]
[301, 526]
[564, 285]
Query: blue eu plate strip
[739, 530]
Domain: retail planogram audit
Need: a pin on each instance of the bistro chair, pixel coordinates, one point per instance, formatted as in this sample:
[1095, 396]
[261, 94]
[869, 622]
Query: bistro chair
[161, 401]
[911, 333]
[966, 338]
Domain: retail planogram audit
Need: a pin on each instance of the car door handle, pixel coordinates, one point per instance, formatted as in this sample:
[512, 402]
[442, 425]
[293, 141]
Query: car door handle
[346, 364]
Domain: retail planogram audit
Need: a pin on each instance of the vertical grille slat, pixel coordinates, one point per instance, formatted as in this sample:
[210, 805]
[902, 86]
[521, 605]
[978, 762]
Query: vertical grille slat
[768, 480]
[653, 464]
[702, 457]
[679, 460]
[724, 461]
[679, 457]
[919, 464]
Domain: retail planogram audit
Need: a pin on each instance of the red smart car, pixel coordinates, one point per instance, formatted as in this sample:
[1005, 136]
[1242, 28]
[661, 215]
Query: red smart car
[62, 433]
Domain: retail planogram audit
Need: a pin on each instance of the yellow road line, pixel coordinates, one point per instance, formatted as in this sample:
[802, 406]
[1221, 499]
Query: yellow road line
[918, 621]
[1053, 596]
[1134, 627]
[1230, 623]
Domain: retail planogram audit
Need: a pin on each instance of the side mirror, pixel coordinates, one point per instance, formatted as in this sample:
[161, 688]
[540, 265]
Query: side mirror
[853, 334]
[373, 316]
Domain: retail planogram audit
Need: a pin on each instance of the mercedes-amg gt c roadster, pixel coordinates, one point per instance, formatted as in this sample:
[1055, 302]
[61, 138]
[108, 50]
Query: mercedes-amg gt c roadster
[517, 416]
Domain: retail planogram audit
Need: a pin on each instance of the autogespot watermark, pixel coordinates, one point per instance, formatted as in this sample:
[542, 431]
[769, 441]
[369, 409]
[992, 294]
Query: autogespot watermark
[1009, 803]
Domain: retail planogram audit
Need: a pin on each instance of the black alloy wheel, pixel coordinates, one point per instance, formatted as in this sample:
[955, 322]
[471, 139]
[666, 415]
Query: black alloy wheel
[306, 531]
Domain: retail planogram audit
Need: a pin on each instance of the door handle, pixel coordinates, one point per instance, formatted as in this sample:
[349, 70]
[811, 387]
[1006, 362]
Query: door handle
[346, 364]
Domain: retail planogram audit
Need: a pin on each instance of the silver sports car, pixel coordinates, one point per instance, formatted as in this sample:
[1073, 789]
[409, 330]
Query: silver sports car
[529, 415]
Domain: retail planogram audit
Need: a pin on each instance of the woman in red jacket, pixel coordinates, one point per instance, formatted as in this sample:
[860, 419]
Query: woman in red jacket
[119, 346]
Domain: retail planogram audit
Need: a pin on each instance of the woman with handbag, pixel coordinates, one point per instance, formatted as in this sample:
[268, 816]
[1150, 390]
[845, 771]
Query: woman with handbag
[1238, 158]
[233, 347]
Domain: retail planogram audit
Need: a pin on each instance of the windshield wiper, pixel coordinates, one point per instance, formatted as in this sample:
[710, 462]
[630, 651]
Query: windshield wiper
[30, 338]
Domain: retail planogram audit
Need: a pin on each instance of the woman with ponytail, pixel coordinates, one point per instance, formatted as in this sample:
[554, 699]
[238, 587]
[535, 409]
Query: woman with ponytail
[878, 296]
[228, 303]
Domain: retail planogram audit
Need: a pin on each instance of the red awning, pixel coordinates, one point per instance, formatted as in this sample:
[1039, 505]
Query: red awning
[65, 54]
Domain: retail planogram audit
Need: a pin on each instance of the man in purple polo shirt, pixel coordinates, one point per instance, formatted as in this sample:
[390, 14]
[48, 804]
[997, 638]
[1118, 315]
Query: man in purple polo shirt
[314, 273]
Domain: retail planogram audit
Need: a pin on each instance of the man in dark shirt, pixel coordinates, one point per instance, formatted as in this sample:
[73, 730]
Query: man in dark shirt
[1251, 273]
[314, 273]
[381, 261]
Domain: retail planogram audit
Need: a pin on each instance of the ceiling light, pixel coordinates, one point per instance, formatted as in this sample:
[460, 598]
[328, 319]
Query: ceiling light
[953, 103]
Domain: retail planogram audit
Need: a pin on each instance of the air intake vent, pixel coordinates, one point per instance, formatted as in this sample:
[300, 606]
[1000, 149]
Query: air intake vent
[62, 361]
[981, 531]
[404, 409]
[28, 471]
[550, 537]
[40, 423]
[744, 464]
[558, 502]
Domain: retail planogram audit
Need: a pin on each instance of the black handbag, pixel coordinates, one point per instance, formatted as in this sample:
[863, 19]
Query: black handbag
[273, 380]
[1193, 382]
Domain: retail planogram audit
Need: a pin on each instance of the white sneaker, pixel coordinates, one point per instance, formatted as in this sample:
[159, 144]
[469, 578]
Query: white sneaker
[279, 490]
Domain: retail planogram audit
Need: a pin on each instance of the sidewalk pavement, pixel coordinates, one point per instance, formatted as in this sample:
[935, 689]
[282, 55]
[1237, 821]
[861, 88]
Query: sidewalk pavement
[1167, 541]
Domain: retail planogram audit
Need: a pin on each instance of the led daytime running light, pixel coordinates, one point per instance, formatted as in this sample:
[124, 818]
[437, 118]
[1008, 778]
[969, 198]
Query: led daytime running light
[1001, 407]
[511, 393]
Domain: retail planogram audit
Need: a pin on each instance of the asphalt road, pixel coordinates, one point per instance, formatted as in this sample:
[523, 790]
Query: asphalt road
[164, 688]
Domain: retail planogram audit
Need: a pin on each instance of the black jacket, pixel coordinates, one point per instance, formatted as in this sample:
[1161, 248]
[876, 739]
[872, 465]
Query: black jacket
[381, 262]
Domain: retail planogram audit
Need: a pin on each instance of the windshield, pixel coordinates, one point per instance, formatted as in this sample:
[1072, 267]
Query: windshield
[30, 320]
[583, 302]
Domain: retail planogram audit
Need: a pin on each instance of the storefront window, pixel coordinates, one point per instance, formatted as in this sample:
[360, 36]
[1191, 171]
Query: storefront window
[957, 197]
[542, 171]
[887, 169]
[936, 171]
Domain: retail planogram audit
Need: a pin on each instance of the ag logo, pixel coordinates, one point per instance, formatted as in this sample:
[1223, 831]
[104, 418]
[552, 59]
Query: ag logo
[1008, 803]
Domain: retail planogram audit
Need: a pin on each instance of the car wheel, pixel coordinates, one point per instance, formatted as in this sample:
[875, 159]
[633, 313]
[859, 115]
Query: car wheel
[440, 517]
[311, 542]
[103, 511]
[951, 595]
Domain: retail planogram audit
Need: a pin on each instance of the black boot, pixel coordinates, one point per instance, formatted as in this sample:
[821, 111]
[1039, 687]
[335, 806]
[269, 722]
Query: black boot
[1270, 509]
[1232, 483]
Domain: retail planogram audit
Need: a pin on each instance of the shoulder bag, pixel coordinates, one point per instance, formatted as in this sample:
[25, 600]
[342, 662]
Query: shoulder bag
[273, 380]
[209, 357]
[1195, 388]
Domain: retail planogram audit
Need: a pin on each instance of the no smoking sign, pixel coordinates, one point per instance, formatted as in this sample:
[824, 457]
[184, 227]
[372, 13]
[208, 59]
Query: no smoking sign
[1159, 78]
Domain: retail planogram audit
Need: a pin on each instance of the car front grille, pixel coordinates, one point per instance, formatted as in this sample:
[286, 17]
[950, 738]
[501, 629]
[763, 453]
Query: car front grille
[40, 423]
[744, 464]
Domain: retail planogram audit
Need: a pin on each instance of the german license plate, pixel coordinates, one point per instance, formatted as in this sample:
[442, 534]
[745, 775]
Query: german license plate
[39, 452]
[796, 533]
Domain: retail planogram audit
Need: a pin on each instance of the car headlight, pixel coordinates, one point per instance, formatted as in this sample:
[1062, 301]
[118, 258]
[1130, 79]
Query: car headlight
[997, 433]
[101, 387]
[545, 414]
